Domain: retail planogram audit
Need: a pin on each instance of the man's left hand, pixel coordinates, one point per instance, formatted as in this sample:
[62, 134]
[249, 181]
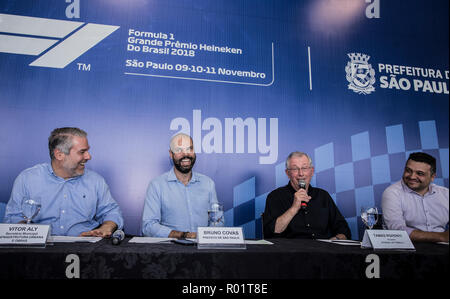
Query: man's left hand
[104, 231]
[339, 237]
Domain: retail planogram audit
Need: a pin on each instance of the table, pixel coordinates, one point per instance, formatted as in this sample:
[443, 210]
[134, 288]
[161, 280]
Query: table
[285, 259]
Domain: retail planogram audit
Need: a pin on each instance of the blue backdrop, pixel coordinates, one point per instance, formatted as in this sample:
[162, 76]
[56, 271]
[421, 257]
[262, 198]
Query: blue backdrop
[356, 84]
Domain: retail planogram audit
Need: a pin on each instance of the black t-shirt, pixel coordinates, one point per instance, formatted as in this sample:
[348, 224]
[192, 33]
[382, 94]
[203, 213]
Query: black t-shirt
[320, 220]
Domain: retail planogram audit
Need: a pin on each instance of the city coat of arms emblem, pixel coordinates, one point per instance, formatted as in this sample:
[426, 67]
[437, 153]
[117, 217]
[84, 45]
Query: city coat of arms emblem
[360, 74]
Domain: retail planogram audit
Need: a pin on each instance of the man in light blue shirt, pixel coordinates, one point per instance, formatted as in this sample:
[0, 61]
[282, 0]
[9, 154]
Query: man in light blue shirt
[177, 202]
[74, 201]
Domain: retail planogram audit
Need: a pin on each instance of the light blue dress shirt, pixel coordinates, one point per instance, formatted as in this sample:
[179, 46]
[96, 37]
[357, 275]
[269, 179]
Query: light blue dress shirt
[405, 209]
[170, 205]
[70, 207]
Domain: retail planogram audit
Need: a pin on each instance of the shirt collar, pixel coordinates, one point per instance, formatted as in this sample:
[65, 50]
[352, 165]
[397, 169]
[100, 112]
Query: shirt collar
[53, 174]
[50, 171]
[431, 189]
[407, 189]
[292, 190]
[171, 177]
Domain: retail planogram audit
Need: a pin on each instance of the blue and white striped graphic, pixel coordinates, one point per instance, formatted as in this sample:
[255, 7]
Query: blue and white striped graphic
[72, 45]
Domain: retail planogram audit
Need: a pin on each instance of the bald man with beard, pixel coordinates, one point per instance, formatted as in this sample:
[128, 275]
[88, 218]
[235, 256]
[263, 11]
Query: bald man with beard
[177, 202]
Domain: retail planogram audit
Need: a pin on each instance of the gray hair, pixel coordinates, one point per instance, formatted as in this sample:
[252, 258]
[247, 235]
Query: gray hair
[298, 155]
[61, 139]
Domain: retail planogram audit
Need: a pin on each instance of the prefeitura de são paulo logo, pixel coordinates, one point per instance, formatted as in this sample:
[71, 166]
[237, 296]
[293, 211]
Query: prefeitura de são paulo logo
[360, 74]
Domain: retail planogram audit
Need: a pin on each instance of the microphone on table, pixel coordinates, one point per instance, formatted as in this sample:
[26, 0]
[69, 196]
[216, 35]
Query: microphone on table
[302, 185]
[117, 237]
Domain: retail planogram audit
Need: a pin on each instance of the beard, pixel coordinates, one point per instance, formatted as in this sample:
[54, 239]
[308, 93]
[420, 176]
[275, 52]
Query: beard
[415, 185]
[74, 169]
[181, 168]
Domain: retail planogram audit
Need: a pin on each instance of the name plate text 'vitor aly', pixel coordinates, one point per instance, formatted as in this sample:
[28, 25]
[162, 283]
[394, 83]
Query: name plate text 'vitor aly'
[23, 234]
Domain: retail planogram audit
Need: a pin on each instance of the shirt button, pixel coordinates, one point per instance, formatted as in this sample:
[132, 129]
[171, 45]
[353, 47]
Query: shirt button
[307, 225]
[61, 227]
[63, 211]
[65, 195]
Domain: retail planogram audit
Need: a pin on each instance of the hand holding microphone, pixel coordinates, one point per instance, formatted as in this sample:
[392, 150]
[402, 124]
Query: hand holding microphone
[301, 195]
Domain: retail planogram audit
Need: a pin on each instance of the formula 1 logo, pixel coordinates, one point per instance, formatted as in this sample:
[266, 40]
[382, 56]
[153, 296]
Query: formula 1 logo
[64, 40]
[360, 74]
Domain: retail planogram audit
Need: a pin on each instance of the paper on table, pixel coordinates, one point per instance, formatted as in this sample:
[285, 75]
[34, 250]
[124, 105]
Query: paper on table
[258, 242]
[150, 240]
[70, 239]
[341, 242]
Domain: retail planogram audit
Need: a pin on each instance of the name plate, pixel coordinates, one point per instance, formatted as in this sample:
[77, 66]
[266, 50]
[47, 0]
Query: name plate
[220, 238]
[23, 235]
[379, 239]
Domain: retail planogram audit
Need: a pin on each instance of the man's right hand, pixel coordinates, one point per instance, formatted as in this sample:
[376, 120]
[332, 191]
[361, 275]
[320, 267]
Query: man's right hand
[300, 196]
[283, 221]
[445, 236]
[421, 236]
[179, 235]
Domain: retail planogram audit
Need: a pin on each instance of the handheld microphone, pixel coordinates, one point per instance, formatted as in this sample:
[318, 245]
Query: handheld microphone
[117, 237]
[302, 185]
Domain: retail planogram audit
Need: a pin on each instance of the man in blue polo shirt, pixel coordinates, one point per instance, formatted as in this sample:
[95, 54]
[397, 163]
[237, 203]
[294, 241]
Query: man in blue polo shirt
[75, 201]
[177, 202]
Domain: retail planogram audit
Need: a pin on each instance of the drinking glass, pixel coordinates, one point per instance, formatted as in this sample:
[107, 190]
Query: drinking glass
[30, 208]
[215, 215]
[369, 216]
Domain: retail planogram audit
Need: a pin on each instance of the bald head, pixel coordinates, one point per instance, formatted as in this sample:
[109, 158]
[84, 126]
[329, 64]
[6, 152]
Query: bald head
[182, 153]
[181, 142]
